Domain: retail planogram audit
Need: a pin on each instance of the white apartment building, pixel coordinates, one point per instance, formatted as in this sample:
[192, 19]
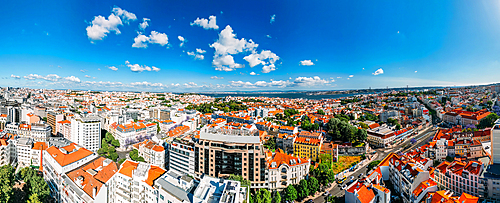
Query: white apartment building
[59, 161]
[461, 177]
[89, 183]
[178, 188]
[86, 132]
[151, 152]
[40, 132]
[23, 148]
[182, 157]
[285, 169]
[130, 133]
[134, 183]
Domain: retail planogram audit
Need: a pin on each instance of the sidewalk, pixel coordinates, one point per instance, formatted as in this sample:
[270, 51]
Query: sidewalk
[318, 194]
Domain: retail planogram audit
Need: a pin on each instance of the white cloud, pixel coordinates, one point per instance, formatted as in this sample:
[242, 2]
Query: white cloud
[72, 79]
[182, 40]
[216, 78]
[158, 38]
[124, 15]
[306, 63]
[226, 63]
[144, 23]
[87, 76]
[83, 70]
[273, 17]
[298, 82]
[49, 77]
[378, 72]
[227, 45]
[100, 26]
[253, 73]
[309, 81]
[196, 56]
[206, 24]
[139, 68]
[268, 36]
[15, 76]
[113, 68]
[415, 71]
[269, 68]
[200, 51]
[351, 76]
[141, 41]
[266, 58]
[190, 85]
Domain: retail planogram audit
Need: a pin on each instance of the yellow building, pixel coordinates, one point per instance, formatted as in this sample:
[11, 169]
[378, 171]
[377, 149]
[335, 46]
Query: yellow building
[308, 148]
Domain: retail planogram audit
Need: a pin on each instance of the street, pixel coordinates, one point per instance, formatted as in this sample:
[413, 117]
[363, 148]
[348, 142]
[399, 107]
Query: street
[382, 153]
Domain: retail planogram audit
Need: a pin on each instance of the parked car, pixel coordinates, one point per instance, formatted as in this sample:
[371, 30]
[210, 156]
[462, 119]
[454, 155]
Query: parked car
[326, 193]
[360, 175]
[344, 186]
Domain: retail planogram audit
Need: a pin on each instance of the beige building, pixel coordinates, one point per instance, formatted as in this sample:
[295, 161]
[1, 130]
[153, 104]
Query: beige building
[220, 155]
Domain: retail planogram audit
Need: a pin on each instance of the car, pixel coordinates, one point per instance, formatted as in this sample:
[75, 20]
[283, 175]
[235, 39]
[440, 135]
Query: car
[309, 201]
[326, 193]
[352, 178]
[360, 175]
[344, 186]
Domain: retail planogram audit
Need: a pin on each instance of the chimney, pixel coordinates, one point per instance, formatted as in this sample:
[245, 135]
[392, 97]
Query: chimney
[94, 191]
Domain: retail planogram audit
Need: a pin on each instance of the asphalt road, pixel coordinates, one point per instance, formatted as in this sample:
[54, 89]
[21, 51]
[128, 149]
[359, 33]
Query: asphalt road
[382, 153]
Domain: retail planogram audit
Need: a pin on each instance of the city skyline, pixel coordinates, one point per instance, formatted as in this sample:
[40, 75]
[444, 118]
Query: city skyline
[206, 46]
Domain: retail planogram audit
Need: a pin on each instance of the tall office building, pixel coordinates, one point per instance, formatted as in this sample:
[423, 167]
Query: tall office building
[86, 132]
[220, 155]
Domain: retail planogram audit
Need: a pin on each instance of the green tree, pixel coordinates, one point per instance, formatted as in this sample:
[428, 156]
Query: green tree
[303, 190]
[361, 135]
[373, 164]
[33, 198]
[290, 193]
[6, 183]
[109, 137]
[266, 195]
[115, 143]
[332, 199]
[398, 126]
[113, 156]
[320, 111]
[243, 181]
[449, 158]
[277, 197]
[313, 185]
[488, 121]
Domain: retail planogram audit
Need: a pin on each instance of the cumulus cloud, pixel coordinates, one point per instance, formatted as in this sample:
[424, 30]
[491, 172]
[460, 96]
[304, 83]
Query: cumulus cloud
[195, 55]
[253, 73]
[265, 58]
[273, 17]
[216, 78]
[306, 63]
[298, 82]
[141, 41]
[200, 51]
[49, 77]
[228, 45]
[182, 40]
[87, 76]
[378, 72]
[144, 23]
[15, 76]
[158, 38]
[415, 71]
[113, 68]
[124, 15]
[206, 24]
[100, 26]
[139, 68]
[72, 79]
[225, 63]
[351, 76]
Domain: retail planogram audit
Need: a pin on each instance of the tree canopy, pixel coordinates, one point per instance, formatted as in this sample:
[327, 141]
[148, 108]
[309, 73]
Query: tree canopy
[488, 121]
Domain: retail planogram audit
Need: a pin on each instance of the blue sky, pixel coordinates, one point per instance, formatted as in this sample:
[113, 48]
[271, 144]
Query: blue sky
[258, 45]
